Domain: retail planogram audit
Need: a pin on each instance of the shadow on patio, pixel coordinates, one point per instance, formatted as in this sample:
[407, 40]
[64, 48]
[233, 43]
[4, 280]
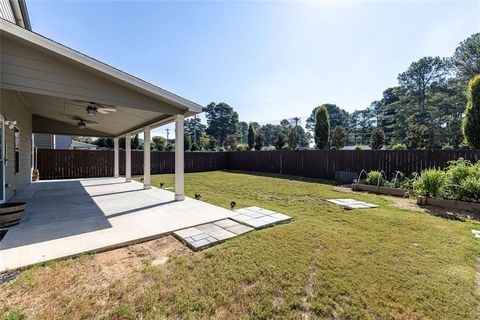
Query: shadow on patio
[69, 217]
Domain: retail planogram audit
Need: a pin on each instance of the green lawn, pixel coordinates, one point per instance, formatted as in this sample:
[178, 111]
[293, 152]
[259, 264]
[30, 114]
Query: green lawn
[383, 263]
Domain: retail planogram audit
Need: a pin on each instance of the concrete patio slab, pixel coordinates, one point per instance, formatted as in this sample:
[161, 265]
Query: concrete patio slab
[258, 218]
[66, 218]
[352, 203]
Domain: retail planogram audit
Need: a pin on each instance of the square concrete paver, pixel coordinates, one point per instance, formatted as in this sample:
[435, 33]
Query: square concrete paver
[258, 217]
[209, 234]
[476, 233]
[352, 203]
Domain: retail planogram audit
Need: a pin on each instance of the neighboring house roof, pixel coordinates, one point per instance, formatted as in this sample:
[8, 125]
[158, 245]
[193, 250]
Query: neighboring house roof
[80, 144]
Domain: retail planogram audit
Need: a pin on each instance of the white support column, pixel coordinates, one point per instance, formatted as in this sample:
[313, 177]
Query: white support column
[128, 158]
[146, 158]
[179, 158]
[116, 170]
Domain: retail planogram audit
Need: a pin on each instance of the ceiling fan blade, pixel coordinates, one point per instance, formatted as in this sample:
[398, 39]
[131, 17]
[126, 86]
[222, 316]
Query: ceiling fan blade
[100, 110]
[107, 109]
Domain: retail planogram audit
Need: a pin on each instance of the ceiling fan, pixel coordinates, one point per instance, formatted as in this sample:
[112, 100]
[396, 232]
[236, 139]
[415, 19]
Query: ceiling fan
[82, 123]
[92, 107]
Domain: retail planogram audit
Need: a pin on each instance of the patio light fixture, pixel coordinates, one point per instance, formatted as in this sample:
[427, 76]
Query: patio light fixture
[11, 124]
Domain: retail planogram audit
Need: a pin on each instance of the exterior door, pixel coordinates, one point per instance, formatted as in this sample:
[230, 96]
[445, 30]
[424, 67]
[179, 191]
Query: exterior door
[2, 160]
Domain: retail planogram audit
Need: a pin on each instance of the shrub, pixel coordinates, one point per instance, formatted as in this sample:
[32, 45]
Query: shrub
[431, 183]
[230, 142]
[375, 178]
[281, 141]
[457, 172]
[259, 140]
[242, 147]
[447, 147]
[471, 122]
[471, 188]
[377, 139]
[358, 148]
[398, 146]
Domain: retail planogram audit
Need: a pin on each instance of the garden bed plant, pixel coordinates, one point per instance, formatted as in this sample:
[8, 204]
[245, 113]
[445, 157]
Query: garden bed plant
[456, 187]
[376, 182]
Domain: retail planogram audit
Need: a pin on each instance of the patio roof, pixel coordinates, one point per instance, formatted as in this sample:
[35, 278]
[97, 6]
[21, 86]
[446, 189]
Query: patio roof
[58, 83]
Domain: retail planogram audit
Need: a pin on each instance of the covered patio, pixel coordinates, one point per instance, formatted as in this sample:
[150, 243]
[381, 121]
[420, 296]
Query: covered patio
[49, 88]
[63, 91]
[66, 218]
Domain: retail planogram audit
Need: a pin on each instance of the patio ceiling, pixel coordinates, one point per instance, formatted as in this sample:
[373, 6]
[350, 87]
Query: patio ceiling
[58, 83]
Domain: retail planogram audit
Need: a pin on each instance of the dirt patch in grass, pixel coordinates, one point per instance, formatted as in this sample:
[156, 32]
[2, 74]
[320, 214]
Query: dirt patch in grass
[61, 288]
[131, 258]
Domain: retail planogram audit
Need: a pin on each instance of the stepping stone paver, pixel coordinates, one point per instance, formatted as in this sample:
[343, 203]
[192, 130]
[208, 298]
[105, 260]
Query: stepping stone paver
[259, 218]
[352, 203]
[206, 235]
[246, 220]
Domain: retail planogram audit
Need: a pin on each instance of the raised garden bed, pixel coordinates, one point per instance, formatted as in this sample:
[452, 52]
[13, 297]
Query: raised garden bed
[11, 213]
[452, 204]
[398, 192]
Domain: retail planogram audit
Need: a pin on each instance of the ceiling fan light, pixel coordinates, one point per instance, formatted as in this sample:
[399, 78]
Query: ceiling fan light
[81, 125]
[91, 110]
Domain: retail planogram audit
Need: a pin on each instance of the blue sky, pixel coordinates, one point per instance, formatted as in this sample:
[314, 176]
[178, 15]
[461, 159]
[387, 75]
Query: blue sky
[268, 60]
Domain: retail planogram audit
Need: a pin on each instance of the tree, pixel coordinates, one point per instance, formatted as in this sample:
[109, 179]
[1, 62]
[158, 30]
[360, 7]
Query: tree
[281, 141]
[212, 143]
[251, 136]
[377, 140]
[195, 129]
[471, 123]
[336, 115]
[285, 123]
[187, 142]
[195, 147]
[293, 139]
[322, 128]
[230, 142]
[222, 120]
[422, 77]
[242, 131]
[259, 140]
[270, 131]
[159, 143]
[339, 137]
[466, 58]
[104, 142]
[84, 139]
[135, 142]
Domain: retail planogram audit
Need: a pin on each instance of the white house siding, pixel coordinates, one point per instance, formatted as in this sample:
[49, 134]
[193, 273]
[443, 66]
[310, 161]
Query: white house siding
[6, 12]
[13, 108]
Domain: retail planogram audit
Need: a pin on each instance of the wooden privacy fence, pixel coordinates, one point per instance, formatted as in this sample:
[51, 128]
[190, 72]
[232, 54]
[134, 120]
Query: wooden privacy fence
[325, 164]
[70, 164]
[322, 164]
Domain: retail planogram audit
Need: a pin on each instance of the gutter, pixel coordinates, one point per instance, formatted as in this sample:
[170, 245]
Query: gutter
[19, 8]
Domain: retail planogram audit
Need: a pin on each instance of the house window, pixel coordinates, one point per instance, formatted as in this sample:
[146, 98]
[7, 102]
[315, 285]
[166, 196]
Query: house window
[17, 150]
